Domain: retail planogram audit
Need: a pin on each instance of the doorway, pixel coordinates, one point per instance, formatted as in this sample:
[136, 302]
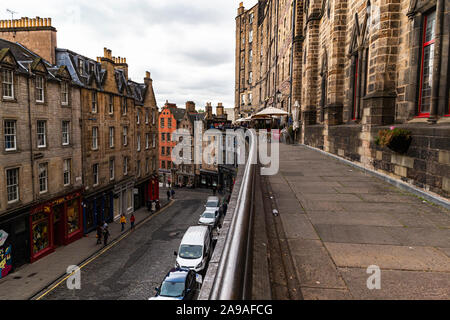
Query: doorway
[58, 225]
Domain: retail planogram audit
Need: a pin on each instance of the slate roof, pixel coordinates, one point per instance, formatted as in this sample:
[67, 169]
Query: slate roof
[178, 113]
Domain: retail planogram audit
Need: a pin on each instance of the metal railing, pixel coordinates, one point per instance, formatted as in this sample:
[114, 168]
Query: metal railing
[230, 279]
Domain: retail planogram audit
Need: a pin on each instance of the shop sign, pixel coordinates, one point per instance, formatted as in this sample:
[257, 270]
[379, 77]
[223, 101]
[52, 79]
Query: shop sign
[5, 256]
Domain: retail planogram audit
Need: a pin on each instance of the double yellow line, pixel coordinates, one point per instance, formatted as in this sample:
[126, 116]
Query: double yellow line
[103, 251]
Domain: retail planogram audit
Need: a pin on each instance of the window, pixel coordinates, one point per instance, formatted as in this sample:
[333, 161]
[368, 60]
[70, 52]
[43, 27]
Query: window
[426, 72]
[39, 89]
[10, 135]
[12, 185]
[41, 134]
[67, 171]
[64, 93]
[125, 166]
[250, 77]
[94, 102]
[169, 165]
[138, 142]
[153, 117]
[124, 106]
[111, 137]
[80, 66]
[163, 164]
[138, 117]
[243, 99]
[111, 169]
[138, 168]
[65, 133]
[168, 137]
[95, 138]
[147, 167]
[250, 20]
[95, 174]
[147, 141]
[169, 123]
[162, 123]
[43, 177]
[250, 56]
[8, 84]
[250, 37]
[125, 136]
[163, 151]
[111, 104]
[163, 137]
[147, 115]
[154, 140]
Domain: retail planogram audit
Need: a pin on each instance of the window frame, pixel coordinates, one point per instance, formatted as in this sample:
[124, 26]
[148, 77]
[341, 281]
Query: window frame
[67, 169]
[64, 93]
[65, 134]
[5, 135]
[112, 132]
[95, 174]
[15, 185]
[4, 83]
[43, 178]
[95, 138]
[39, 80]
[43, 134]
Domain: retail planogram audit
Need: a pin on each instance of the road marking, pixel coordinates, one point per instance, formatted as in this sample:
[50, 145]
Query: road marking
[103, 251]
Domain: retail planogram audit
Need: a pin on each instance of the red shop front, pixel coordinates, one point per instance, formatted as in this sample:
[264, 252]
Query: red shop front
[153, 189]
[54, 224]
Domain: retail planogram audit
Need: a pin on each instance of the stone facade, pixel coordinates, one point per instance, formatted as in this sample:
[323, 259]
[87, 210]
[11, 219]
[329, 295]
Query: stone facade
[361, 66]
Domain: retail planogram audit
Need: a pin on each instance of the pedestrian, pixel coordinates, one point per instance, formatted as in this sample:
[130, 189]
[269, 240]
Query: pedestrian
[158, 205]
[214, 191]
[123, 221]
[99, 233]
[168, 195]
[225, 208]
[132, 221]
[105, 235]
[173, 194]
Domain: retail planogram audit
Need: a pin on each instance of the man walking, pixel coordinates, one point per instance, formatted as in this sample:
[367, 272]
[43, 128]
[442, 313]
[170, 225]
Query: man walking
[123, 221]
[99, 233]
[173, 194]
[132, 220]
[168, 195]
[105, 235]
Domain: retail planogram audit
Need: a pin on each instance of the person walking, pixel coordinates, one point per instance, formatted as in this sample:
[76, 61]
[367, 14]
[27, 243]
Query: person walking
[123, 221]
[105, 235]
[99, 233]
[173, 194]
[168, 195]
[132, 221]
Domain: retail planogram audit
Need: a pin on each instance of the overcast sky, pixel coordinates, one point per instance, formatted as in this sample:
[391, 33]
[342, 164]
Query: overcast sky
[188, 46]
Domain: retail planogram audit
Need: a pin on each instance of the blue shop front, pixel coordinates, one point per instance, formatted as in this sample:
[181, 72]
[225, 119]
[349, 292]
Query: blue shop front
[97, 209]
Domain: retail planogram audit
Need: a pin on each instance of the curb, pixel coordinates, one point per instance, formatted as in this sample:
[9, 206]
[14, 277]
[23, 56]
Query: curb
[113, 242]
[435, 199]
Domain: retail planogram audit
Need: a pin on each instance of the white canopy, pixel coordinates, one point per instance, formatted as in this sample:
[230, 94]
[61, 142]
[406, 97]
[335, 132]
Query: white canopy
[243, 120]
[272, 112]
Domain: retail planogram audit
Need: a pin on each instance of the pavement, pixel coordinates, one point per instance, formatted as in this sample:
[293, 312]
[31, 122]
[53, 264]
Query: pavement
[339, 221]
[30, 279]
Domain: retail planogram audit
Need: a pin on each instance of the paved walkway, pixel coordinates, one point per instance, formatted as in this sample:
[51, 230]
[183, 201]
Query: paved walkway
[339, 221]
[30, 279]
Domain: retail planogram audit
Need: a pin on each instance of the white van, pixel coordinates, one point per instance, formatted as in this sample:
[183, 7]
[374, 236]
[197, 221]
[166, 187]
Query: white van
[195, 249]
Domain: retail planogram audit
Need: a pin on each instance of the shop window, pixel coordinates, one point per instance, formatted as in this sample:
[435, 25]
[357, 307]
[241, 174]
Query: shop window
[73, 216]
[426, 71]
[40, 232]
[8, 84]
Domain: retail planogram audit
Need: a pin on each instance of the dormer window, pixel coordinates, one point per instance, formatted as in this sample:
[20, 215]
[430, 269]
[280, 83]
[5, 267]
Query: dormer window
[8, 84]
[80, 67]
[39, 89]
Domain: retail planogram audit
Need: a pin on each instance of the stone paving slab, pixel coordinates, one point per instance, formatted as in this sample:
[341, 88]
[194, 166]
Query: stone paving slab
[360, 221]
[399, 285]
[389, 257]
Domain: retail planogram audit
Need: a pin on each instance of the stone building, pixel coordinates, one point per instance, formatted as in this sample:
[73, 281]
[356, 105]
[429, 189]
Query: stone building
[169, 121]
[40, 157]
[107, 125]
[359, 67]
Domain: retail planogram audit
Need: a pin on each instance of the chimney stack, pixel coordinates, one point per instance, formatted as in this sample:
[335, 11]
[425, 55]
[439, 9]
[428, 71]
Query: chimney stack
[190, 107]
[220, 109]
[241, 8]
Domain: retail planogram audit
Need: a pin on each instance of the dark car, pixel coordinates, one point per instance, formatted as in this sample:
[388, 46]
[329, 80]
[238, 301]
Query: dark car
[179, 284]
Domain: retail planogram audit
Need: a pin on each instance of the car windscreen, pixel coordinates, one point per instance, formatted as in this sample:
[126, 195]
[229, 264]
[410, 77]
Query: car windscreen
[209, 215]
[191, 252]
[172, 289]
[212, 204]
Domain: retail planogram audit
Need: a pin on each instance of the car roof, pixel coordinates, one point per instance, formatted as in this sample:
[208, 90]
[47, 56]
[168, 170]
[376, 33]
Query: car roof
[210, 209]
[195, 235]
[177, 275]
[213, 198]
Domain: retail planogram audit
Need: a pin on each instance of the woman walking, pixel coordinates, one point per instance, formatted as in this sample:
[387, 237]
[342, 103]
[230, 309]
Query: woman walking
[132, 220]
[123, 221]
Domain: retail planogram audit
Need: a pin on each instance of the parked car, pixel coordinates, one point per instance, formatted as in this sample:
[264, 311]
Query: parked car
[213, 203]
[195, 249]
[179, 284]
[209, 218]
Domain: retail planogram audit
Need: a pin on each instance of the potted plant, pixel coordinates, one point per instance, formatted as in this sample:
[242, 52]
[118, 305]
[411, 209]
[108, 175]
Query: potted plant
[396, 139]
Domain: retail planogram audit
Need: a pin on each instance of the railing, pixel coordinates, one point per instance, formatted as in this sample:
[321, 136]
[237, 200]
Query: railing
[230, 268]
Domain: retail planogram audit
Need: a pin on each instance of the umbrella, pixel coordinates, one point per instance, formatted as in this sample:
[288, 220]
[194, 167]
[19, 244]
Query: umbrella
[272, 112]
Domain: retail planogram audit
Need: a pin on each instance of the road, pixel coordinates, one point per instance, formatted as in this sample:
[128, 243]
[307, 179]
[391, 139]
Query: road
[134, 267]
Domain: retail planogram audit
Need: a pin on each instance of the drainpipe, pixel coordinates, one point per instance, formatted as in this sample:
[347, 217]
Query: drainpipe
[437, 64]
[30, 131]
[291, 67]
